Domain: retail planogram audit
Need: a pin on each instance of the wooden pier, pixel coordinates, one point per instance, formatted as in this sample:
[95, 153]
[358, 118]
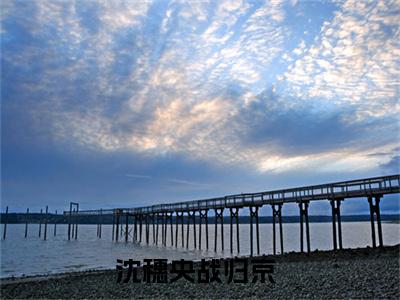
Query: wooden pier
[195, 215]
[189, 212]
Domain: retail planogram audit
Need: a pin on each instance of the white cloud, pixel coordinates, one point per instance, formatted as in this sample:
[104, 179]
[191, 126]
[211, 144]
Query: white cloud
[356, 60]
[161, 84]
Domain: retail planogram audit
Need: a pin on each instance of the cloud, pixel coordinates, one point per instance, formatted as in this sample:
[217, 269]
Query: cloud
[173, 181]
[354, 61]
[191, 184]
[393, 165]
[138, 176]
[193, 79]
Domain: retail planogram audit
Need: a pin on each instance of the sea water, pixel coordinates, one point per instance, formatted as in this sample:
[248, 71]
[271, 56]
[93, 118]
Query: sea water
[33, 256]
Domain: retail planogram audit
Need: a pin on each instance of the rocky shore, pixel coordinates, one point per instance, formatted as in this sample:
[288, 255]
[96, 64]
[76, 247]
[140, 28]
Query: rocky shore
[351, 273]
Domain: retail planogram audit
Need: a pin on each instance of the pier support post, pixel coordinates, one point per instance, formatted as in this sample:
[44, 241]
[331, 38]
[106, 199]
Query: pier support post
[172, 229]
[194, 229]
[126, 227]
[182, 227]
[160, 218]
[117, 226]
[191, 218]
[55, 224]
[146, 219]
[101, 221]
[254, 215]
[219, 216]
[206, 229]
[140, 227]
[335, 204]
[5, 224]
[76, 220]
[203, 216]
[162, 229]
[234, 214]
[231, 230]
[166, 219]
[179, 216]
[157, 219]
[26, 222]
[176, 229]
[73, 223]
[40, 222]
[113, 226]
[153, 221]
[277, 216]
[187, 229]
[69, 221]
[375, 211]
[303, 205]
[135, 230]
[45, 223]
[147, 229]
[97, 226]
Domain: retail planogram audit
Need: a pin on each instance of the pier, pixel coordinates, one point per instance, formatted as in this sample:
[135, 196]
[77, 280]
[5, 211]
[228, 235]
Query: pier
[137, 222]
[197, 213]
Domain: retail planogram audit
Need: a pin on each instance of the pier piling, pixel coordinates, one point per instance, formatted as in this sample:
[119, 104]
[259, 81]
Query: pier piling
[69, 221]
[76, 221]
[202, 216]
[187, 229]
[172, 230]
[219, 216]
[140, 227]
[182, 229]
[303, 205]
[40, 222]
[126, 227]
[254, 215]
[234, 215]
[176, 229]
[277, 217]
[26, 222]
[153, 219]
[157, 225]
[73, 223]
[337, 237]
[165, 219]
[146, 219]
[5, 224]
[135, 230]
[113, 226]
[45, 223]
[99, 223]
[73, 220]
[117, 226]
[55, 225]
[159, 220]
[375, 212]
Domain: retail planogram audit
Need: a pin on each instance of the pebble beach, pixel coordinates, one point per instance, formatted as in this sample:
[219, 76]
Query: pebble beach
[351, 273]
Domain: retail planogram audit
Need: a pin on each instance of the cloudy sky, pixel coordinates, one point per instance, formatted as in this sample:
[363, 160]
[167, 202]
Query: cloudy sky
[131, 103]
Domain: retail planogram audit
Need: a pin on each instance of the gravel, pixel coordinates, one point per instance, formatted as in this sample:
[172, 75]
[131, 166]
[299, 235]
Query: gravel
[351, 273]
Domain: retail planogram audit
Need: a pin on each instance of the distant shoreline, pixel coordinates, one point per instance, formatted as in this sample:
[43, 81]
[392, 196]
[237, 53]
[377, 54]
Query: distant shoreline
[349, 273]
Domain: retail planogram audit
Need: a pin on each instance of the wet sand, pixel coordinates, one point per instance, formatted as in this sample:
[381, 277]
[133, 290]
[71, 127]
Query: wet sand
[351, 273]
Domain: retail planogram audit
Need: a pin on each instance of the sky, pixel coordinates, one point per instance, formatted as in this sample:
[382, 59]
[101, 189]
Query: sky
[134, 103]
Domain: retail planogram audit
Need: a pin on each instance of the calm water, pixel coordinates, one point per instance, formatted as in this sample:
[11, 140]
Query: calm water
[34, 256]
